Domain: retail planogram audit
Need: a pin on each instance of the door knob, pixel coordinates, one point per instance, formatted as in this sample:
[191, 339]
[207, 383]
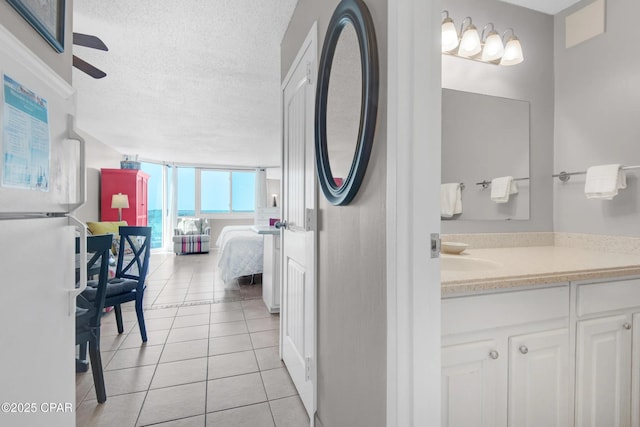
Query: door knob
[280, 224]
[627, 325]
[494, 354]
[523, 349]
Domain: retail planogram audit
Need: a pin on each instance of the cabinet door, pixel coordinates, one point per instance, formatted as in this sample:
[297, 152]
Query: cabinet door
[276, 271]
[270, 273]
[603, 372]
[473, 394]
[539, 380]
[635, 373]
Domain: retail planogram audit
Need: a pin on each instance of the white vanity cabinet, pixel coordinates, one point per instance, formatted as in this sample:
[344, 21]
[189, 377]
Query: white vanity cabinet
[539, 379]
[607, 386]
[271, 272]
[471, 378]
[505, 359]
[635, 372]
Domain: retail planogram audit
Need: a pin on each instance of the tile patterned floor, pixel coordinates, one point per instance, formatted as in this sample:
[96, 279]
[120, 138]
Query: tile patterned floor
[193, 279]
[205, 364]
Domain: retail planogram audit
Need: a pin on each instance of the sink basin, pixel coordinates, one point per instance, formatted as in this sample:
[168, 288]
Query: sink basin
[462, 263]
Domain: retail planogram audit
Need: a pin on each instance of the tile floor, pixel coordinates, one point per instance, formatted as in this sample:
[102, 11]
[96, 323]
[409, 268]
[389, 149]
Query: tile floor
[187, 279]
[206, 363]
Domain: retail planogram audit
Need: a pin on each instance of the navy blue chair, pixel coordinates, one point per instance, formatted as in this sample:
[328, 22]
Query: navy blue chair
[134, 250]
[89, 308]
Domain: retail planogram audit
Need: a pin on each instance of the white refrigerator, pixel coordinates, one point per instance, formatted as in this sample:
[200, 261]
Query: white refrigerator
[42, 182]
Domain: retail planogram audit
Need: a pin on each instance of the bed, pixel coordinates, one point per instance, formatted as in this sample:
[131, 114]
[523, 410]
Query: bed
[240, 252]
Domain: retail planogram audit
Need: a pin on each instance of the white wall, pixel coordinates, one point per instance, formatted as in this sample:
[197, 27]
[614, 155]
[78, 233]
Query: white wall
[532, 81]
[99, 155]
[597, 112]
[59, 62]
[351, 260]
[273, 187]
[485, 137]
[218, 224]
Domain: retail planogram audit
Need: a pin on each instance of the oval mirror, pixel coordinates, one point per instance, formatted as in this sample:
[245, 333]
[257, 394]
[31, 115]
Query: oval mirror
[343, 104]
[346, 101]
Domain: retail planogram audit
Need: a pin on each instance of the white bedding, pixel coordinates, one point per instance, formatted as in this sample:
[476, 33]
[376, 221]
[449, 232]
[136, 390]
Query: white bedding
[240, 252]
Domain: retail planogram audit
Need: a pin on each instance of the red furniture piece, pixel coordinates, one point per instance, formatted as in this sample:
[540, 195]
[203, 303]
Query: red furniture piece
[131, 182]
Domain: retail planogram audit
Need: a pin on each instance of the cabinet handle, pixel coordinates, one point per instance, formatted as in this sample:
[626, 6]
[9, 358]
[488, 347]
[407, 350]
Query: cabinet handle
[523, 349]
[494, 354]
[627, 325]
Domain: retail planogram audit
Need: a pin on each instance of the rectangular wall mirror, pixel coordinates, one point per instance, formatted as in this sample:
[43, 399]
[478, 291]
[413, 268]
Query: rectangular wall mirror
[485, 137]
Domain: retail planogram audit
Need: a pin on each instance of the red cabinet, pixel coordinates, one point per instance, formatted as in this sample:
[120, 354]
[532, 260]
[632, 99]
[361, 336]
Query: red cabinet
[131, 182]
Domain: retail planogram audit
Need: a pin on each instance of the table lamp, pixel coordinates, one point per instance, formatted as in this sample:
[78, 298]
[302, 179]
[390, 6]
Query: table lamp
[119, 201]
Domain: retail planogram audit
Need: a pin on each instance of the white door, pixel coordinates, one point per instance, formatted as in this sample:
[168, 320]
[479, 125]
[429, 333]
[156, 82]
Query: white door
[603, 372]
[298, 311]
[413, 212]
[37, 360]
[471, 386]
[539, 379]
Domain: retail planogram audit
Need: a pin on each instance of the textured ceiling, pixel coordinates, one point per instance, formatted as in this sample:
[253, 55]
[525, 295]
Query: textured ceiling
[550, 7]
[192, 81]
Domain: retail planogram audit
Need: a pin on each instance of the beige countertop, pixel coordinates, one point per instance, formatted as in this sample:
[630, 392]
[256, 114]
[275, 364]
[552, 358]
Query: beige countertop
[504, 268]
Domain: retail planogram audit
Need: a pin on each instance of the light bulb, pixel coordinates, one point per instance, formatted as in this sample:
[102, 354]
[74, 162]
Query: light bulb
[449, 35]
[470, 42]
[512, 52]
[493, 47]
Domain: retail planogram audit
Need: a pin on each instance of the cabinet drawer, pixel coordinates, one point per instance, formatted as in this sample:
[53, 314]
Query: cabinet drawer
[609, 296]
[481, 312]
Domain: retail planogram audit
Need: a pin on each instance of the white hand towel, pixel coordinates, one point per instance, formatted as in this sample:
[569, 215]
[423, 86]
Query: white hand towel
[604, 181]
[450, 200]
[501, 188]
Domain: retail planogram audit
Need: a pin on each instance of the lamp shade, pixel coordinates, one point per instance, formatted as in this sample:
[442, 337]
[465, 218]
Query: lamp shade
[493, 47]
[119, 201]
[470, 42]
[449, 35]
[512, 52]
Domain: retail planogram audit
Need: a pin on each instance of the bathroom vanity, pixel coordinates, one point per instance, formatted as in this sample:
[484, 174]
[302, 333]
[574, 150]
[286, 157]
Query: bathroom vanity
[542, 335]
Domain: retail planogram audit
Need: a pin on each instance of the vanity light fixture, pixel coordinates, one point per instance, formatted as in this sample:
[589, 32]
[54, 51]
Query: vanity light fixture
[449, 34]
[493, 47]
[469, 41]
[512, 51]
[468, 44]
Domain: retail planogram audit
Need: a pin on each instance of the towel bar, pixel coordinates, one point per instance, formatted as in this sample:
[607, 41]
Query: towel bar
[566, 176]
[486, 184]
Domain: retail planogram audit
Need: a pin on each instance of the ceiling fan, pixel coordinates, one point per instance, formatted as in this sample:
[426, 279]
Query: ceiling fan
[92, 42]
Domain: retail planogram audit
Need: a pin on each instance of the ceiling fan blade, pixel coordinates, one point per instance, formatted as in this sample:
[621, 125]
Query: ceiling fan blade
[88, 40]
[88, 68]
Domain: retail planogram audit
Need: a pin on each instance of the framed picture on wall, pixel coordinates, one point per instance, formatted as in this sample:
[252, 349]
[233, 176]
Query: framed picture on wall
[46, 16]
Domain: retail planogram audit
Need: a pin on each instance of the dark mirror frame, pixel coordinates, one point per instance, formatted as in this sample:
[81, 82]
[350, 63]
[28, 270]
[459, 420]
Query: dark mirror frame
[357, 14]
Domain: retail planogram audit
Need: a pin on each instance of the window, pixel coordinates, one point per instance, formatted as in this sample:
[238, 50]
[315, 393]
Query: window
[225, 192]
[186, 191]
[243, 191]
[215, 193]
